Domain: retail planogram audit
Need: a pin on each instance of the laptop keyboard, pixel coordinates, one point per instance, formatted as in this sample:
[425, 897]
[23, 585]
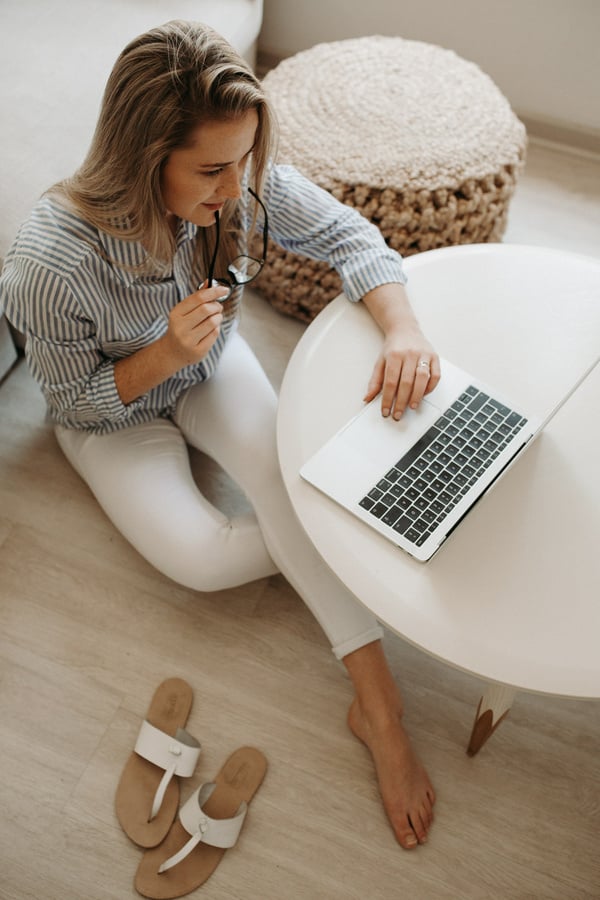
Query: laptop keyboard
[427, 483]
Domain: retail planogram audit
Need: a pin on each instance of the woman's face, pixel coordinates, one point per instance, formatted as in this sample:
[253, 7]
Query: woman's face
[197, 179]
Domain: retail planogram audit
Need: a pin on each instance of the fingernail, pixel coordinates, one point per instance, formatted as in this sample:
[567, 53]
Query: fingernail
[397, 415]
[385, 412]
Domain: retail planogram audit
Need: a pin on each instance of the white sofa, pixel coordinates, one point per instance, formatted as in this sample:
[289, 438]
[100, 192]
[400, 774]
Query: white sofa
[56, 57]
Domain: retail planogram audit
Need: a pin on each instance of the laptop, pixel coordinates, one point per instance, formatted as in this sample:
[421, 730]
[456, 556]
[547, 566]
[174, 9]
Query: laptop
[415, 479]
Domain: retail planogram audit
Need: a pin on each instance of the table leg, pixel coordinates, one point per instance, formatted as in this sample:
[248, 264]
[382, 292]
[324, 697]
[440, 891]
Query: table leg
[493, 708]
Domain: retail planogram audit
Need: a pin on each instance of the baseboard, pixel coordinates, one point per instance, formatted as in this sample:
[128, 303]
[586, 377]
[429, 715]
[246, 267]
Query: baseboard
[582, 140]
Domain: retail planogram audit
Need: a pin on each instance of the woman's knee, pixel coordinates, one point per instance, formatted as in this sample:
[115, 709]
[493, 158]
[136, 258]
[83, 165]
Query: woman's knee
[225, 555]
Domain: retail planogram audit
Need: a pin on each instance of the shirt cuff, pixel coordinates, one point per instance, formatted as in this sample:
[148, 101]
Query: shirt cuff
[103, 396]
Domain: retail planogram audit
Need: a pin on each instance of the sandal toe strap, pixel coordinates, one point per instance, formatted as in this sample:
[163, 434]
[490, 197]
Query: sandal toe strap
[221, 833]
[176, 755]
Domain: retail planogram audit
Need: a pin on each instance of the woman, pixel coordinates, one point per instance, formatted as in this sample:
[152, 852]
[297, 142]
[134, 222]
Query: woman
[134, 345]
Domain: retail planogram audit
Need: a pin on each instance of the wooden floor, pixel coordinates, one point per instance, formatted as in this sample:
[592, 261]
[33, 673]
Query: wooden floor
[88, 630]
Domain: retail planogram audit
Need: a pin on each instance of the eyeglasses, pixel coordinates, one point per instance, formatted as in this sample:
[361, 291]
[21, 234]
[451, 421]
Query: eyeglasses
[243, 269]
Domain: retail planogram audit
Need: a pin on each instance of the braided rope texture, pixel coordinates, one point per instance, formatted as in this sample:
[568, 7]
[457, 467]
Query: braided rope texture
[419, 140]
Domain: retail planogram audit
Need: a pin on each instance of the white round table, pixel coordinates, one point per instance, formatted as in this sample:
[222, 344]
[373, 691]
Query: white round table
[514, 594]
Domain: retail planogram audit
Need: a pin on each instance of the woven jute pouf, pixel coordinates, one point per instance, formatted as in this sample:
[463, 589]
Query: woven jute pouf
[419, 140]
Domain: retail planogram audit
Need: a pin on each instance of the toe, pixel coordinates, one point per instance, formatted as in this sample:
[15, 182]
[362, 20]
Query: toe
[407, 838]
[404, 831]
[423, 831]
[427, 816]
[419, 823]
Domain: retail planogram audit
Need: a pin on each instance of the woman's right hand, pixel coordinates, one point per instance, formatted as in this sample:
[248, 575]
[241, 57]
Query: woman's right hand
[194, 326]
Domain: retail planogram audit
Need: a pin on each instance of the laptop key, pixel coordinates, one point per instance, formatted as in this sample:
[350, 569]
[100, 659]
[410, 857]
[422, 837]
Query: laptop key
[415, 451]
[503, 410]
[391, 515]
[402, 524]
[477, 402]
[514, 419]
[421, 525]
[379, 510]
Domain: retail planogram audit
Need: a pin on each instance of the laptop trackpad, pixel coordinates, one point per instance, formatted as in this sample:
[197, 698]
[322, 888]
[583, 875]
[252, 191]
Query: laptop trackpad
[384, 440]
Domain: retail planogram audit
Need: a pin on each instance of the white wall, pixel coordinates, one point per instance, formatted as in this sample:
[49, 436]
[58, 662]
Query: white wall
[542, 54]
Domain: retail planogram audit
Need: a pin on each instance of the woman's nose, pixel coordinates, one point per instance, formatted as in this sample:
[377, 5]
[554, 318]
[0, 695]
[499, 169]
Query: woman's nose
[231, 184]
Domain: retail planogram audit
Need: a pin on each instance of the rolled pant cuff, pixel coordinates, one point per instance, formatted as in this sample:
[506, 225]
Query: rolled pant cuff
[360, 640]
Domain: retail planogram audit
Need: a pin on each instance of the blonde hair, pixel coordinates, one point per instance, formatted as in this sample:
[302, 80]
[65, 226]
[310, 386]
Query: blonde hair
[164, 84]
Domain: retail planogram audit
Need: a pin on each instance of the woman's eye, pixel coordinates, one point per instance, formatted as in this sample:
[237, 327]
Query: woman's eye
[213, 173]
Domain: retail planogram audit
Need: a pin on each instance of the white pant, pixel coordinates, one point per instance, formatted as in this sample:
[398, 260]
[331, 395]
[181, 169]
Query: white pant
[141, 477]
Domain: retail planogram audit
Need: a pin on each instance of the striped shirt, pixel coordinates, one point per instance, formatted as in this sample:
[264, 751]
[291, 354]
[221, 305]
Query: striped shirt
[80, 310]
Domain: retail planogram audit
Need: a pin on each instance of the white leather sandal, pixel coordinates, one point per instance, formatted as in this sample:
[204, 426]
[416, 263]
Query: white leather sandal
[148, 792]
[209, 823]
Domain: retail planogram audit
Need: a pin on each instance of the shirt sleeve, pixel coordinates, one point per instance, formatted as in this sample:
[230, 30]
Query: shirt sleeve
[305, 219]
[64, 356]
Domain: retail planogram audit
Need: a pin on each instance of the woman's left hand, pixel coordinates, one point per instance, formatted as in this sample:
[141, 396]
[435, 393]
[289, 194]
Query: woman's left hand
[408, 367]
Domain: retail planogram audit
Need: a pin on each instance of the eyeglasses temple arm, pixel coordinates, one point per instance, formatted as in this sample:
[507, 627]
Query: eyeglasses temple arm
[266, 222]
[211, 268]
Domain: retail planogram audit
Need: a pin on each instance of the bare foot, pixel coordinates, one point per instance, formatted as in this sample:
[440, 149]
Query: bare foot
[407, 794]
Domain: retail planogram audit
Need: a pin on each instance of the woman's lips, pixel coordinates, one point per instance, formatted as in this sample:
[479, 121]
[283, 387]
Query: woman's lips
[213, 207]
